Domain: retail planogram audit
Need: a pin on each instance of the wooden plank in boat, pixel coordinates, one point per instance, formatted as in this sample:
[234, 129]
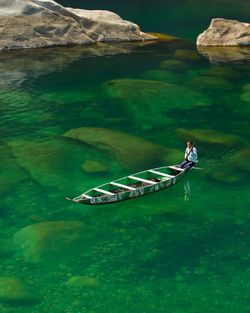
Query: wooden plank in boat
[160, 173]
[104, 191]
[176, 168]
[86, 196]
[142, 180]
[123, 186]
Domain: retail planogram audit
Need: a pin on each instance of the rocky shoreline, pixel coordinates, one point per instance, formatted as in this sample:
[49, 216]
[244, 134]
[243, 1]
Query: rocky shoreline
[40, 23]
[223, 32]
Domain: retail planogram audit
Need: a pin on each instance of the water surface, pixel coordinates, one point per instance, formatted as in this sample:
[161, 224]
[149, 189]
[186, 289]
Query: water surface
[185, 249]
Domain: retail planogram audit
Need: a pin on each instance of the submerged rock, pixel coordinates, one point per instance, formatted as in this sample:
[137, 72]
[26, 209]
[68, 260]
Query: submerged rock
[148, 101]
[174, 65]
[241, 160]
[132, 152]
[47, 23]
[223, 32]
[210, 83]
[162, 75]
[54, 163]
[246, 87]
[187, 55]
[11, 172]
[13, 291]
[221, 71]
[210, 136]
[91, 166]
[49, 242]
[245, 96]
[225, 54]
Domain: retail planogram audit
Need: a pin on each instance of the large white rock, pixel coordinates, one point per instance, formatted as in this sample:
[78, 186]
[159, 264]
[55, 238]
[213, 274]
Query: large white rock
[40, 23]
[223, 32]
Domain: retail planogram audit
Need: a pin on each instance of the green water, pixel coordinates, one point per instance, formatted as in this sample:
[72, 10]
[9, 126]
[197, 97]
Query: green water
[184, 249]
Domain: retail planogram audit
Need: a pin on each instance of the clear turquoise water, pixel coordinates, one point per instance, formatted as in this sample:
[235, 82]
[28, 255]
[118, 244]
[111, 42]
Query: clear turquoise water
[185, 249]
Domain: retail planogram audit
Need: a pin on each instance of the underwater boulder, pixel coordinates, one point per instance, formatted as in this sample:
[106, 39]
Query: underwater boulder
[224, 54]
[53, 163]
[246, 87]
[11, 172]
[149, 101]
[210, 136]
[162, 75]
[245, 96]
[210, 83]
[92, 166]
[221, 71]
[174, 65]
[240, 160]
[187, 55]
[132, 152]
[53, 242]
[14, 291]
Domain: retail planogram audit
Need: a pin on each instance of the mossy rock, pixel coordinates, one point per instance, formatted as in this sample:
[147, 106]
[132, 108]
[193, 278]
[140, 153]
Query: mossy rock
[54, 163]
[148, 101]
[92, 166]
[210, 83]
[226, 176]
[245, 96]
[220, 71]
[162, 75]
[174, 65]
[11, 172]
[241, 160]
[187, 55]
[246, 87]
[52, 242]
[131, 152]
[15, 292]
[210, 136]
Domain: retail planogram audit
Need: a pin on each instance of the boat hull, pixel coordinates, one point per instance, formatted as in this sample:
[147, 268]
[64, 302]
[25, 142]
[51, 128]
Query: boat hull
[134, 193]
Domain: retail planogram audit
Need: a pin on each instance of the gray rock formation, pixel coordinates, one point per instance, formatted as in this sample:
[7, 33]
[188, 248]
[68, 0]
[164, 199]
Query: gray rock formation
[223, 32]
[44, 23]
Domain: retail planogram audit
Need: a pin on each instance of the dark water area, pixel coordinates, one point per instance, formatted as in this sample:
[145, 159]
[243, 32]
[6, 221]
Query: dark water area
[74, 118]
[183, 18]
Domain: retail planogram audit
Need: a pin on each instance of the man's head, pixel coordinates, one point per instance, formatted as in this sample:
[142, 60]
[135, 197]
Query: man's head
[189, 144]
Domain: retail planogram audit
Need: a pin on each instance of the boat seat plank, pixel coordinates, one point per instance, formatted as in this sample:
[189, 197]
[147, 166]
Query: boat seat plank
[86, 196]
[104, 191]
[142, 180]
[160, 173]
[123, 186]
[176, 168]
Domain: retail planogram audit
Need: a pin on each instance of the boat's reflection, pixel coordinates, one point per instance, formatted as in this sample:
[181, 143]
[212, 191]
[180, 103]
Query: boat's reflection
[187, 190]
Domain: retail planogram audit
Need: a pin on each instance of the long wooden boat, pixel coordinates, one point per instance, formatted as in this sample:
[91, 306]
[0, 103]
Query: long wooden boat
[132, 186]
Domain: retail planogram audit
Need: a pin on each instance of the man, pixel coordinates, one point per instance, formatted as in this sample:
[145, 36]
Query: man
[190, 156]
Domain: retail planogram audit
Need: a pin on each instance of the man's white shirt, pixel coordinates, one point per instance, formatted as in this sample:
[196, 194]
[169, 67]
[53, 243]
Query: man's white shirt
[192, 156]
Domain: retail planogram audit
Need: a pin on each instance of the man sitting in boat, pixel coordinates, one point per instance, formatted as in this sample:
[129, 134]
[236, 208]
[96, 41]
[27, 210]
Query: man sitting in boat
[190, 158]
